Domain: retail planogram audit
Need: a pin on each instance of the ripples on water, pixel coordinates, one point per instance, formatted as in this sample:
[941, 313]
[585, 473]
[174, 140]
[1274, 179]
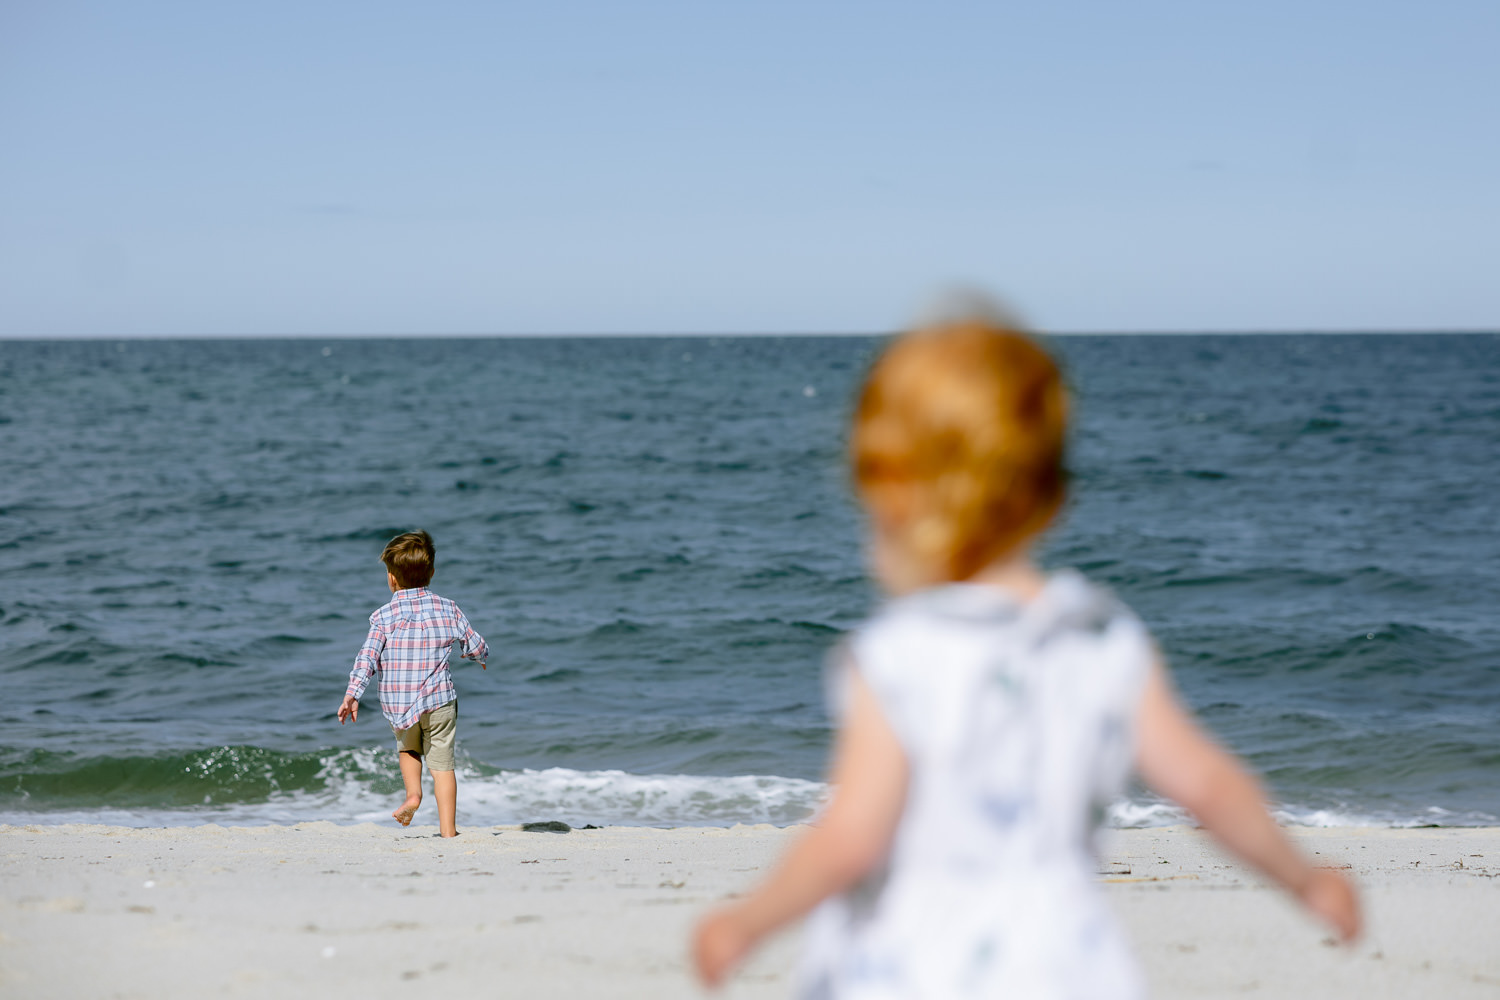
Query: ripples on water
[655, 538]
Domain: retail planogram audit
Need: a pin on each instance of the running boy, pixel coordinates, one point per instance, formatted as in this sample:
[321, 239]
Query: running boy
[409, 643]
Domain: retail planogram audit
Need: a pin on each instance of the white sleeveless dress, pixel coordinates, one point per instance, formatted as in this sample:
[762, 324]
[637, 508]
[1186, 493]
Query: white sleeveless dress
[1018, 722]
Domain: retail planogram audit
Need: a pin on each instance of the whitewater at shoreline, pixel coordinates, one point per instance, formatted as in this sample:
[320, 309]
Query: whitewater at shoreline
[361, 786]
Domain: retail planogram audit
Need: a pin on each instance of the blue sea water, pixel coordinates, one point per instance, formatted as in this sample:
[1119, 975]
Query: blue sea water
[655, 536]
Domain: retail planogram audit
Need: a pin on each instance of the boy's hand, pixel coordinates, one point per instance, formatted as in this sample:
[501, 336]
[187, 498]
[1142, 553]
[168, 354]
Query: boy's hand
[349, 709]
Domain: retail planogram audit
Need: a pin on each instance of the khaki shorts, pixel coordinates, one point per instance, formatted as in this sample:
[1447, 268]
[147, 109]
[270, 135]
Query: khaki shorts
[431, 737]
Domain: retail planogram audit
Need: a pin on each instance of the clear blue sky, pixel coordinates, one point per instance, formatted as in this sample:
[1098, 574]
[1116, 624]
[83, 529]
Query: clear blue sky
[476, 168]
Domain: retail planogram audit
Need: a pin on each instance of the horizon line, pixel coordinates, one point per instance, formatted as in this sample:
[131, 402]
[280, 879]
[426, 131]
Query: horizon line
[581, 335]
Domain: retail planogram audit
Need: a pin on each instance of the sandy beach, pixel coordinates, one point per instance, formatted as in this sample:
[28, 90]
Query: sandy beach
[324, 910]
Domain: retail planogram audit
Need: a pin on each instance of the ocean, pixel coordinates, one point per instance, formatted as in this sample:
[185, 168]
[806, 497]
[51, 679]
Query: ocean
[656, 537]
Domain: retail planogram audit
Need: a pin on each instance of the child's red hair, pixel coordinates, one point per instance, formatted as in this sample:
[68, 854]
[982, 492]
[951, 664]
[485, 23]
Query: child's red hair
[957, 444]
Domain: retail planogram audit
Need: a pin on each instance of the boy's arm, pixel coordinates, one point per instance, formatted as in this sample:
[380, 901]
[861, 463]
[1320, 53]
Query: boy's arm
[1180, 762]
[366, 662]
[473, 644]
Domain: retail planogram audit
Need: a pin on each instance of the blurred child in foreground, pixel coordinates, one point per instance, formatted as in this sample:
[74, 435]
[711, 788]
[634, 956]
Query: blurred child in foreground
[987, 715]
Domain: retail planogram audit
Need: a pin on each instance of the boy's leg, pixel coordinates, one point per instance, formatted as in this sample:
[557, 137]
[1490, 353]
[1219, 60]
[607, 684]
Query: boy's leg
[445, 789]
[441, 723]
[411, 777]
[409, 753]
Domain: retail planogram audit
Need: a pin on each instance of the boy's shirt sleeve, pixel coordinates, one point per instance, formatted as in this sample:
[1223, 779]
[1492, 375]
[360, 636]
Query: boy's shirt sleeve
[474, 646]
[367, 661]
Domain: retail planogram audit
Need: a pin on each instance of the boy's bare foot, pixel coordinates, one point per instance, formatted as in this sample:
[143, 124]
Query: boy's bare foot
[408, 809]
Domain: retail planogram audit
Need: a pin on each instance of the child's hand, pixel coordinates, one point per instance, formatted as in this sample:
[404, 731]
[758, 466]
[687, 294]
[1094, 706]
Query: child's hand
[719, 942]
[1331, 896]
[349, 709]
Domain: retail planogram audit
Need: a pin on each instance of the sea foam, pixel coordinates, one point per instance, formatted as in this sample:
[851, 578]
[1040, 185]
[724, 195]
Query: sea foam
[357, 786]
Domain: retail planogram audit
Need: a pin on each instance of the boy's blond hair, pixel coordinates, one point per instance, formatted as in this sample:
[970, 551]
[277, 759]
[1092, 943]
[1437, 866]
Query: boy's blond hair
[410, 558]
[957, 443]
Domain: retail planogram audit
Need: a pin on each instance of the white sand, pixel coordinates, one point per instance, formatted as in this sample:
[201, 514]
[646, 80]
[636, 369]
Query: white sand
[1204, 927]
[367, 911]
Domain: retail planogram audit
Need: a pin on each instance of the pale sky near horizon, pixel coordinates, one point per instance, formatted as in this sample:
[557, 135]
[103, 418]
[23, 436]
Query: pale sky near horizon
[178, 169]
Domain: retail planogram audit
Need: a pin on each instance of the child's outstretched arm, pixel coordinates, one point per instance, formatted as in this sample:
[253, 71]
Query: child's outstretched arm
[1180, 762]
[366, 662]
[853, 836]
[471, 643]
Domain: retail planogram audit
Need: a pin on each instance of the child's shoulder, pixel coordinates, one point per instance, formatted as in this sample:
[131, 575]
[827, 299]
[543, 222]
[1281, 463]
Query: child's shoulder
[1069, 602]
[418, 602]
[959, 637]
[1073, 602]
[443, 604]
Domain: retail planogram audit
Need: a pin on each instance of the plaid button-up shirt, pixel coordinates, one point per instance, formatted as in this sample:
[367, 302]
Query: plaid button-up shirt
[409, 643]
